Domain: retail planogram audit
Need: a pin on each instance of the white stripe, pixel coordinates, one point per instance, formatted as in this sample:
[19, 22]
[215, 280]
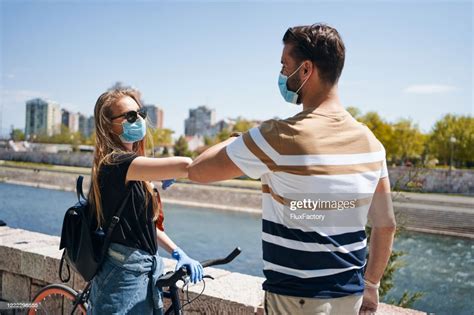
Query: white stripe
[275, 212]
[314, 159]
[306, 273]
[282, 183]
[248, 163]
[312, 247]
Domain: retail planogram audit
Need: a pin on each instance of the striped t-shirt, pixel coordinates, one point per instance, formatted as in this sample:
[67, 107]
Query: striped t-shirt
[315, 251]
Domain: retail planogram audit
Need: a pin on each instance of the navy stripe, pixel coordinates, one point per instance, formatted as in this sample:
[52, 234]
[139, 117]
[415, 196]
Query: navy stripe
[311, 237]
[333, 286]
[303, 260]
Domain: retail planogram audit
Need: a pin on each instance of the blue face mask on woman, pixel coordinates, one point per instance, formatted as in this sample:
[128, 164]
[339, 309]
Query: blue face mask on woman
[289, 96]
[133, 132]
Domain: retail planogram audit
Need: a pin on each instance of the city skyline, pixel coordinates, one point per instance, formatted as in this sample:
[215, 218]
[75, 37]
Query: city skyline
[46, 117]
[182, 55]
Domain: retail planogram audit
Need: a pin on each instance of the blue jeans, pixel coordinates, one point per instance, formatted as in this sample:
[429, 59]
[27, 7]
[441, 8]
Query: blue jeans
[125, 283]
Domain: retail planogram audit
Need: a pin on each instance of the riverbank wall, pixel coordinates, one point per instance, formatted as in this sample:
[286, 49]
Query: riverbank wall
[29, 261]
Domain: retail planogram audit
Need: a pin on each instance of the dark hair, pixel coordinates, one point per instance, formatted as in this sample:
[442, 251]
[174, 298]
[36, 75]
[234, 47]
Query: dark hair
[322, 45]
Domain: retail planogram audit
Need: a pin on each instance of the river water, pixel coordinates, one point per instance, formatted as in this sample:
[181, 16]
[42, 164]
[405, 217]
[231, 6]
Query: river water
[441, 267]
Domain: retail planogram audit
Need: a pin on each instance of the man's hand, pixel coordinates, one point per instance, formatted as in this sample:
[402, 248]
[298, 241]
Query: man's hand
[370, 301]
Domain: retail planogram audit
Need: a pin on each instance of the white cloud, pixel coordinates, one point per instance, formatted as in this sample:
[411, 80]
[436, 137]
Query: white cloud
[429, 88]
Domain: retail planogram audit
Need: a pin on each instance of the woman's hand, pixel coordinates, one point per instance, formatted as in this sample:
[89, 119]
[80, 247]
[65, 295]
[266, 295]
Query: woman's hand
[193, 266]
[167, 183]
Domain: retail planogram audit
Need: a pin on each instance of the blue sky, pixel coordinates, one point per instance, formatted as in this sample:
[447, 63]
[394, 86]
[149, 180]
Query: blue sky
[403, 59]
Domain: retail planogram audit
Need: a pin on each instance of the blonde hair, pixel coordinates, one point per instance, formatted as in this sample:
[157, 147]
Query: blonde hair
[108, 146]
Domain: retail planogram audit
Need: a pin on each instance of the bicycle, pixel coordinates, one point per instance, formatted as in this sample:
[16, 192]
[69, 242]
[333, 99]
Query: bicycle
[73, 302]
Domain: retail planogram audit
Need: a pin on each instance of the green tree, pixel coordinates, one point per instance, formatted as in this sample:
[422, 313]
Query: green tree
[210, 141]
[91, 139]
[407, 141]
[354, 111]
[381, 129]
[223, 135]
[162, 136]
[181, 147]
[17, 135]
[462, 129]
[242, 125]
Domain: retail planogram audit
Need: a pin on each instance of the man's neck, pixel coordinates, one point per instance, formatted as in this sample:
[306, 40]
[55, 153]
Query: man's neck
[327, 100]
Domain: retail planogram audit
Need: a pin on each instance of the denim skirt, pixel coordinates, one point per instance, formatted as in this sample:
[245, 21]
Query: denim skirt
[125, 283]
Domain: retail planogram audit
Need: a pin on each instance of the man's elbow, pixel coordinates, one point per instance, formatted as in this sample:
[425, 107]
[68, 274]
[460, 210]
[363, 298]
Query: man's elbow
[386, 229]
[195, 174]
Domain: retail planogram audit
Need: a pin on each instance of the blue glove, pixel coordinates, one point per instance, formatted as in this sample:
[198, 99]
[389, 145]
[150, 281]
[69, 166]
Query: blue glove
[167, 183]
[193, 266]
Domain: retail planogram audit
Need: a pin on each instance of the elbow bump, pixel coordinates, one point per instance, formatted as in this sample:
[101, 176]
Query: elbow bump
[193, 174]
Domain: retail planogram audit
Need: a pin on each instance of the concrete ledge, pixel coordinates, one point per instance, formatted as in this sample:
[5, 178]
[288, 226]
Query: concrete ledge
[30, 260]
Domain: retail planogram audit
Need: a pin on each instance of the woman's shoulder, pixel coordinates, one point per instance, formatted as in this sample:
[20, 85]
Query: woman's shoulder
[121, 157]
[117, 162]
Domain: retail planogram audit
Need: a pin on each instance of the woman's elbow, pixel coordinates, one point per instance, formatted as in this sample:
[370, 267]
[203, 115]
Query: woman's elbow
[184, 164]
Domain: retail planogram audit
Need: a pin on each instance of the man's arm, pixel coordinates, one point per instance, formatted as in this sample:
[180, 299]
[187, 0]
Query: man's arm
[381, 240]
[383, 231]
[214, 165]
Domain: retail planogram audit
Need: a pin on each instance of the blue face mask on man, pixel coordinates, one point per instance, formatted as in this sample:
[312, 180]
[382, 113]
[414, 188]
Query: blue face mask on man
[133, 132]
[289, 96]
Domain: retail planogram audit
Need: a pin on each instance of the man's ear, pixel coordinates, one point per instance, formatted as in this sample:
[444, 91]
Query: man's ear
[307, 68]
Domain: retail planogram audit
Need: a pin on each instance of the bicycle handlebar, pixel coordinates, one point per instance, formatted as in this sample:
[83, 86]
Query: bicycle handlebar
[171, 277]
[222, 261]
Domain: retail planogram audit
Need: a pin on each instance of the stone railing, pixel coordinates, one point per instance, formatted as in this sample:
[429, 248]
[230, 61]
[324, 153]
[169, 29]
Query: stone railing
[30, 260]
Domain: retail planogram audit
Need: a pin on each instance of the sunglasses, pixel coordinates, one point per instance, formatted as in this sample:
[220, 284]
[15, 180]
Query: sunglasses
[132, 115]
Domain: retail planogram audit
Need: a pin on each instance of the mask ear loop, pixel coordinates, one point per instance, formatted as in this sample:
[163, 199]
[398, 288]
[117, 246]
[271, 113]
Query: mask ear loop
[304, 81]
[115, 124]
[295, 71]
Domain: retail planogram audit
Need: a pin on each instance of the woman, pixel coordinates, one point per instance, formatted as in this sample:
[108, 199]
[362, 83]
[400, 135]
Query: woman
[125, 282]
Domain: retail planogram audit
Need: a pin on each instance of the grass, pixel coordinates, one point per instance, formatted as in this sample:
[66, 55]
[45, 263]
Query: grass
[44, 166]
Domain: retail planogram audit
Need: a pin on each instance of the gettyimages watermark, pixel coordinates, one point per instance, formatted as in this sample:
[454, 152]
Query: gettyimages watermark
[337, 210]
[313, 205]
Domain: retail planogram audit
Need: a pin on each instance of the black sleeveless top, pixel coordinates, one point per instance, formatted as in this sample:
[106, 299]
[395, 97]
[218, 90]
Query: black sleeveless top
[136, 227]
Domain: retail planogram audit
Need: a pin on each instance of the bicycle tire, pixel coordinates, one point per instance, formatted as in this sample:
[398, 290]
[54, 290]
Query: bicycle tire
[65, 293]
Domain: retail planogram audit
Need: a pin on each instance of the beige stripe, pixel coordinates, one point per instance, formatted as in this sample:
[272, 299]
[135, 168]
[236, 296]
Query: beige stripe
[266, 189]
[309, 169]
[317, 134]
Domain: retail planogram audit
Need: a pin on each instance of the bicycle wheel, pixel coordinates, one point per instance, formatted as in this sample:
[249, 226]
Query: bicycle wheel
[56, 299]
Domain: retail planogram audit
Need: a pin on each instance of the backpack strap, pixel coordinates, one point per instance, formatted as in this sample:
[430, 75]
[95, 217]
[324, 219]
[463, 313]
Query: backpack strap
[79, 188]
[113, 223]
[61, 269]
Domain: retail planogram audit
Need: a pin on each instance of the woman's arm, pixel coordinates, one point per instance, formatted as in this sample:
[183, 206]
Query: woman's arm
[149, 169]
[165, 242]
[193, 266]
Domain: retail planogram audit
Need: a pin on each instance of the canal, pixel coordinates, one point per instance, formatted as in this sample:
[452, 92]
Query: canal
[439, 266]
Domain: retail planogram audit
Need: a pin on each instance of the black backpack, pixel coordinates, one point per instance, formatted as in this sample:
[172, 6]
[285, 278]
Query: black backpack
[84, 245]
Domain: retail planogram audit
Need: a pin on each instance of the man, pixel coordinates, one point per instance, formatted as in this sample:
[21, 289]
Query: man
[315, 266]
